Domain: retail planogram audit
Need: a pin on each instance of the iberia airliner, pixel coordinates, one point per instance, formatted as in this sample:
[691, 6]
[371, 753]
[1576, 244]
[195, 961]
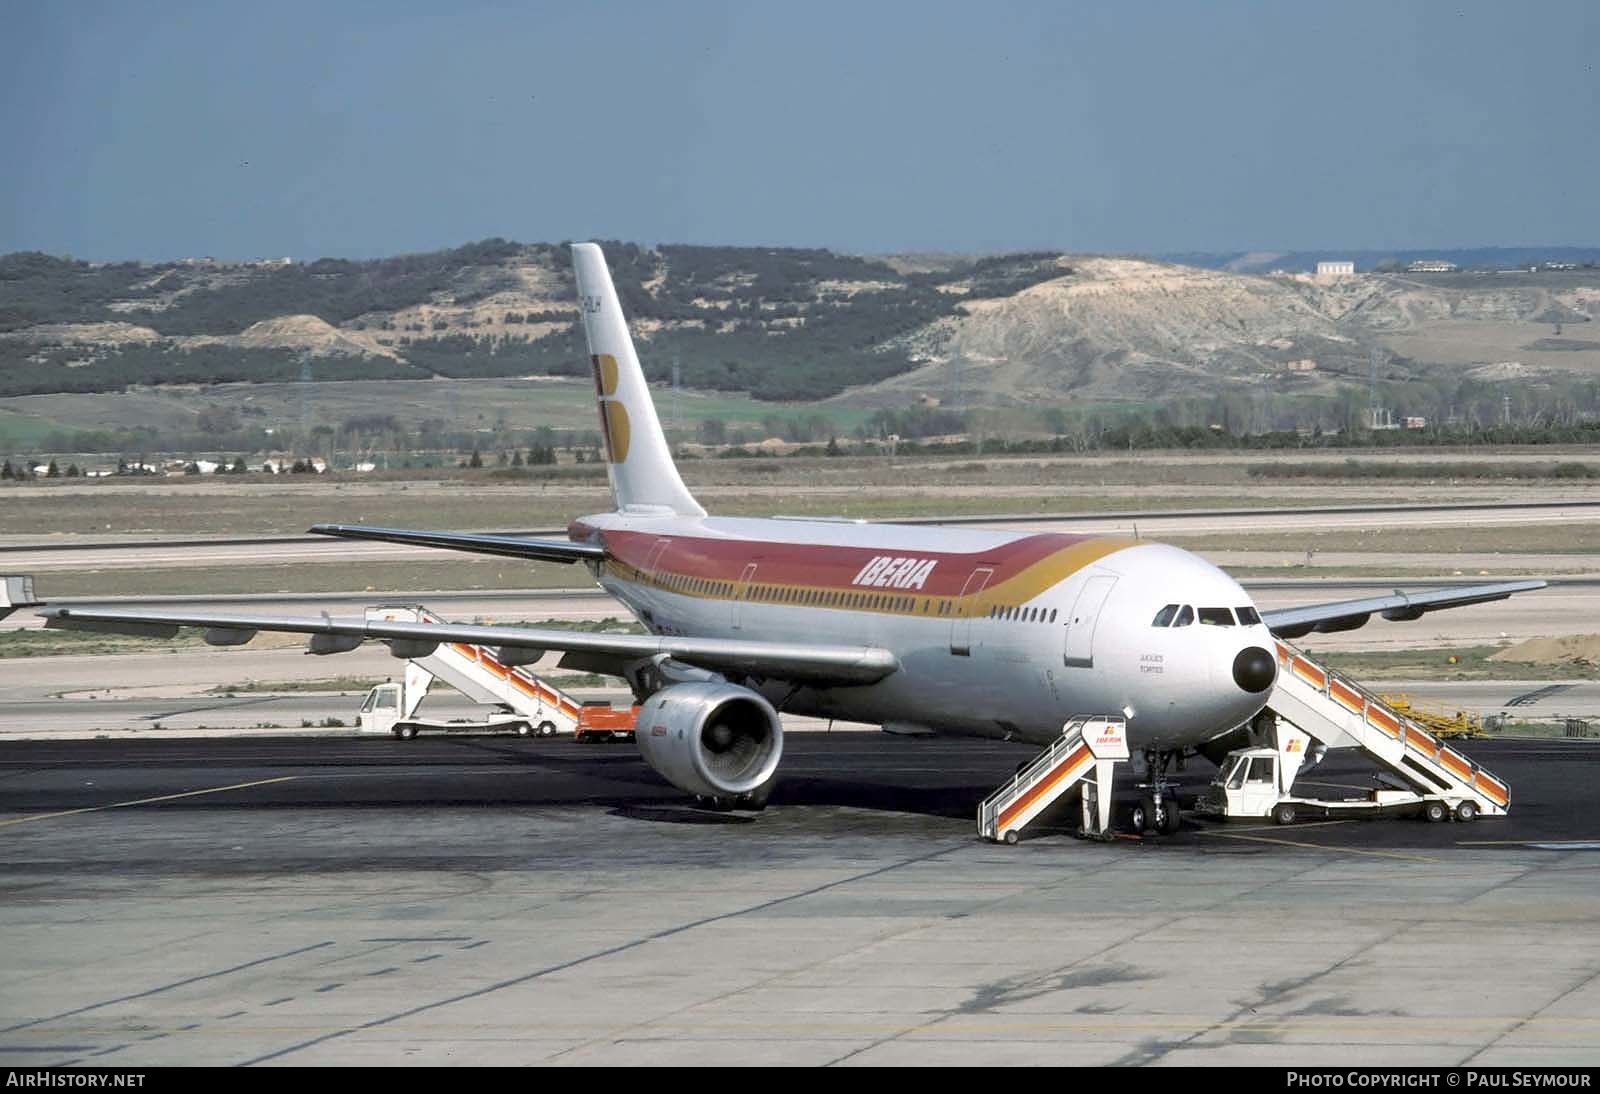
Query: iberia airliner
[917, 629]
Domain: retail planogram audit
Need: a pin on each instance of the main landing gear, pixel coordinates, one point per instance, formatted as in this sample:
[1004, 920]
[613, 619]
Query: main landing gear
[1158, 809]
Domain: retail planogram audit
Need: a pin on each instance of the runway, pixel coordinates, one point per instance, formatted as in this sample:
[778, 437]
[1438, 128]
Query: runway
[31, 554]
[502, 901]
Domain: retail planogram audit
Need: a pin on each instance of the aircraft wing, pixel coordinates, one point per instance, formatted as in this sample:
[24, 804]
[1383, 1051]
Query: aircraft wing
[545, 550]
[781, 660]
[1347, 615]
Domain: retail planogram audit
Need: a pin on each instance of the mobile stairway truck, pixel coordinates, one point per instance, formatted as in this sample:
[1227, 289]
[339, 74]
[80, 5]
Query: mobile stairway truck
[1314, 709]
[523, 704]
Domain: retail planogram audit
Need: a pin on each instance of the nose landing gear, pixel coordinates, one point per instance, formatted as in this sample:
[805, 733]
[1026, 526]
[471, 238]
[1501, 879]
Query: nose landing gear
[1158, 809]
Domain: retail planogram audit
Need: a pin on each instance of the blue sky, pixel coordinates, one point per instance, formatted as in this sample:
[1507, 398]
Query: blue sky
[159, 130]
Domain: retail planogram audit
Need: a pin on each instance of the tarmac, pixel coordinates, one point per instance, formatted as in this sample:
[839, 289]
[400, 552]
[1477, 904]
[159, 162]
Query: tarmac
[499, 901]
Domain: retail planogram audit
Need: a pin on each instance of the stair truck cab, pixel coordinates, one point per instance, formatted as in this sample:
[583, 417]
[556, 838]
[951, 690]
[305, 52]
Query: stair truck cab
[1258, 783]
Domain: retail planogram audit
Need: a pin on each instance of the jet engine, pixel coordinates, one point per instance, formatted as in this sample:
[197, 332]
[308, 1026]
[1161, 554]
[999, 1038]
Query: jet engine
[714, 739]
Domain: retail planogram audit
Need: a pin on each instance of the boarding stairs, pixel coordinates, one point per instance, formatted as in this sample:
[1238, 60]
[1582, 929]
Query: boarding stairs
[1087, 751]
[1337, 712]
[480, 673]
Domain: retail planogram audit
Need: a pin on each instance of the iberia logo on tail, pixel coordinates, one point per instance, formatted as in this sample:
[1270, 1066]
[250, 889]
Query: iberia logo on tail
[613, 415]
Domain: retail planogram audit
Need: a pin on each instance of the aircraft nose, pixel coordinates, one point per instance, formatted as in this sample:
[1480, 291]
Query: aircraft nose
[1254, 669]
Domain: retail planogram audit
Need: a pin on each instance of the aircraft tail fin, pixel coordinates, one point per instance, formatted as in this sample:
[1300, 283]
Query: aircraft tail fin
[638, 460]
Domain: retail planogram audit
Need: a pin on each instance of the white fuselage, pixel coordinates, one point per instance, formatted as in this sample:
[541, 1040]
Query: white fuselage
[997, 634]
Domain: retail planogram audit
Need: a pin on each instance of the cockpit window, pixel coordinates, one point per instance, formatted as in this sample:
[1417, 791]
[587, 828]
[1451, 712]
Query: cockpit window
[1185, 616]
[1164, 616]
[1248, 616]
[1216, 617]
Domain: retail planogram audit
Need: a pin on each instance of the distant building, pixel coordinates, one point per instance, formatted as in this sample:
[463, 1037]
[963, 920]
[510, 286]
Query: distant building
[1332, 271]
[1414, 422]
[1431, 265]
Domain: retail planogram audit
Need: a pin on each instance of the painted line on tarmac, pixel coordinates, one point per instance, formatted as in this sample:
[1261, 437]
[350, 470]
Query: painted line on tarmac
[167, 987]
[1323, 847]
[145, 801]
[1541, 844]
[1276, 827]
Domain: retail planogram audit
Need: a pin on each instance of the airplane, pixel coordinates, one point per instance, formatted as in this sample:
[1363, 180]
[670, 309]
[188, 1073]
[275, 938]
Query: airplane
[918, 629]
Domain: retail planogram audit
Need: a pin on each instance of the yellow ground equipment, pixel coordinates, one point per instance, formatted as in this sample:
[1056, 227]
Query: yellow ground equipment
[1439, 722]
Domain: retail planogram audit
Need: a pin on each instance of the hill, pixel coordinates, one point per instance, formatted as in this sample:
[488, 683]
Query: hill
[789, 324]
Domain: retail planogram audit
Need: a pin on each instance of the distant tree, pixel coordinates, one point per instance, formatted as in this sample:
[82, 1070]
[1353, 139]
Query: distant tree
[191, 468]
[516, 457]
[53, 471]
[833, 448]
[476, 460]
[72, 471]
[238, 467]
[713, 431]
[6, 472]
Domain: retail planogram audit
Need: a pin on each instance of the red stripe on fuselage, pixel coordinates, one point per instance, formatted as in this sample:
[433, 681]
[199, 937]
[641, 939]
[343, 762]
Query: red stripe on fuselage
[825, 565]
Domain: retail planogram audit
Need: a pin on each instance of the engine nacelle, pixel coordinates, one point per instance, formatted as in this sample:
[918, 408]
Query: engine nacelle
[711, 738]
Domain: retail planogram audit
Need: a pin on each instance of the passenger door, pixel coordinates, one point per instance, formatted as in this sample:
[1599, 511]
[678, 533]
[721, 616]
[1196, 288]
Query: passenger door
[741, 593]
[652, 564]
[970, 605]
[1081, 620]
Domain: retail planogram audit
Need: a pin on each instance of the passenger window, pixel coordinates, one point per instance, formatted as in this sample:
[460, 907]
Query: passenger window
[1165, 616]
[1216, 617]
[1248, 617]
[1052, 615]
[1185, 616]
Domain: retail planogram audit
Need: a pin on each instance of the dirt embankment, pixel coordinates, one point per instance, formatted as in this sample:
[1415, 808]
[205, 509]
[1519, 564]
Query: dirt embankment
[1572, 649]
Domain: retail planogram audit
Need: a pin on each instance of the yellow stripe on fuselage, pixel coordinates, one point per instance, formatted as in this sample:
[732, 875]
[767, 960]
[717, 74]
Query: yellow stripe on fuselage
[1020, 588]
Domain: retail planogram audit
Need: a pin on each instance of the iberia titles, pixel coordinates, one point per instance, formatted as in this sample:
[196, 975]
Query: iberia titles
[895, 572]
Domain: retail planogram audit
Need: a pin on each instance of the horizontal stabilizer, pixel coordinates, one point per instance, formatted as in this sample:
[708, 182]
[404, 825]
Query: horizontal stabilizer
[544, 550]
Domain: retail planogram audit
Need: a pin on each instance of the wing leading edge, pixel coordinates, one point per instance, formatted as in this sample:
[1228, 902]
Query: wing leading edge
[1347, 615]
[811, 664]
